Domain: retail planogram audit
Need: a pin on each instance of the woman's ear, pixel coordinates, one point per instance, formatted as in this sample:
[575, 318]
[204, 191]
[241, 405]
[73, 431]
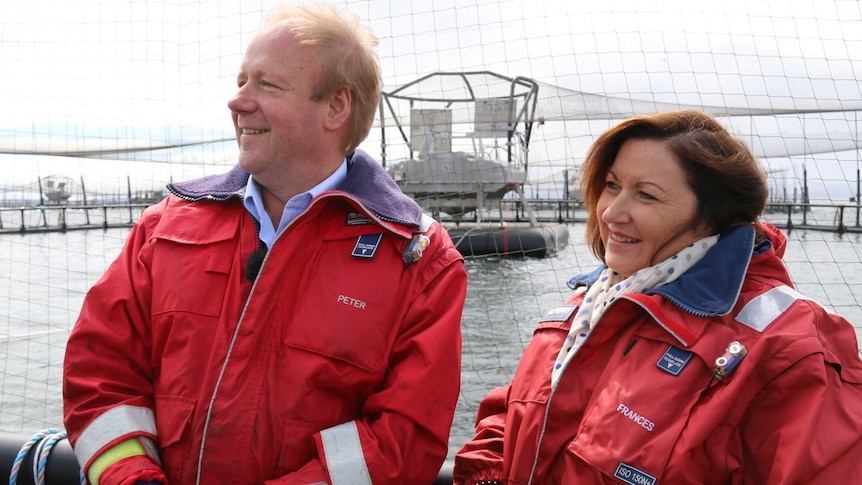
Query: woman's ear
[338, 112]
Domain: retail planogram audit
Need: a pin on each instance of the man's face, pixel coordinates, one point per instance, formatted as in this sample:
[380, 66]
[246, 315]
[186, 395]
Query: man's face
[278, 125]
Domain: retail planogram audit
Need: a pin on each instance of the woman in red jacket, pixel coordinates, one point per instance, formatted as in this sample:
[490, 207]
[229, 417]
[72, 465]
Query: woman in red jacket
[687, 357]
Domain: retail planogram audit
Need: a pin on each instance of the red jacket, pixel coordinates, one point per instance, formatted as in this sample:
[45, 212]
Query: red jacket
[640, 403]
[343, 361]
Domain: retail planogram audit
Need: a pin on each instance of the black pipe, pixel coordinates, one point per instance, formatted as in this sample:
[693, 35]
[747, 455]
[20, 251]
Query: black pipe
[61, 467]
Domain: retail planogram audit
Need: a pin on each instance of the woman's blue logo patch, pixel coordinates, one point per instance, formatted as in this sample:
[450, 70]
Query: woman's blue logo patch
[674, 360]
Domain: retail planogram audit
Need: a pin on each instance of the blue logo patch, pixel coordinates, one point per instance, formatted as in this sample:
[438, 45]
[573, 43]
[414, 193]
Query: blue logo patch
[559, 314]
[367, 245]
[632, 475]
[674, 360]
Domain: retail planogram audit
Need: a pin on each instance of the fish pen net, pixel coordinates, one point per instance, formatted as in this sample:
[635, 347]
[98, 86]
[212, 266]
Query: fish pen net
[109, 101]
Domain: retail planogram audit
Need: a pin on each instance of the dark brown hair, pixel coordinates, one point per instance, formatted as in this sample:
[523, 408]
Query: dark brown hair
[728, 182]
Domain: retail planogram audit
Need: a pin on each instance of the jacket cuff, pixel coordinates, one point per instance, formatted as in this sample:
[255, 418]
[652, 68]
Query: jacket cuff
[133, 469]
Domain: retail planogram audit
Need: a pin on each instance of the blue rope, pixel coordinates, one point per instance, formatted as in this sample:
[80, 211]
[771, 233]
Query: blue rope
[16, 465]
[44, 442]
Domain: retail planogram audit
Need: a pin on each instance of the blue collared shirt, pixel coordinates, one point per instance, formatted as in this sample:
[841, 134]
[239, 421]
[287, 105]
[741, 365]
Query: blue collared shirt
[253, 201]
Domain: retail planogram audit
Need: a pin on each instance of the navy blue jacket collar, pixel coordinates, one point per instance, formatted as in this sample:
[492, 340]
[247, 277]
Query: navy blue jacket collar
[712, 286]
[366, 181]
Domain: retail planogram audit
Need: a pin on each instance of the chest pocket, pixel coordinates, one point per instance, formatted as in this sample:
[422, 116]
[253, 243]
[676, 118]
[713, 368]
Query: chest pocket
[639, 412]
[349, 310]
[191, 267]
[532, 383]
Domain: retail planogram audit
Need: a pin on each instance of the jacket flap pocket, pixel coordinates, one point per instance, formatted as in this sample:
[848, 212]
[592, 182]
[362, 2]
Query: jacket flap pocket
[173, 416]
[194, 224]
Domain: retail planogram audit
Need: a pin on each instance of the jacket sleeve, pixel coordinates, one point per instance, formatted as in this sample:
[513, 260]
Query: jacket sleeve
[804, 426]
[497, 424]
[107, 374]
[481, 458]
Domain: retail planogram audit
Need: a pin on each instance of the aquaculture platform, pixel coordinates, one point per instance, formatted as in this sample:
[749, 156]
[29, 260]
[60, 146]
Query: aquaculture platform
[511, 239]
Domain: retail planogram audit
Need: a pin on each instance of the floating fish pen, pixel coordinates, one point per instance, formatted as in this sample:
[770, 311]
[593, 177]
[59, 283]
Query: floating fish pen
[509, 240]
[465, 141]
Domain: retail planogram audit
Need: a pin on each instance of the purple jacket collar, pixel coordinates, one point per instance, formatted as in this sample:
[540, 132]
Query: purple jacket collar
[366, 181]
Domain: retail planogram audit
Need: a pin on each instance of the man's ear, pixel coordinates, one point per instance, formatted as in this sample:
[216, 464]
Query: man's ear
[338, 112]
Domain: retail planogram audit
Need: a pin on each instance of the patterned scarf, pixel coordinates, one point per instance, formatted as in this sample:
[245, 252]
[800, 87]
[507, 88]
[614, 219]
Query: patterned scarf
[611, 285]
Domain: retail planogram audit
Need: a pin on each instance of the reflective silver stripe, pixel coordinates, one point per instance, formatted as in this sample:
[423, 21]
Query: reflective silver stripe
[344, 457]
[112, 424]
[425, 224]
[151, 449]
[760, 312]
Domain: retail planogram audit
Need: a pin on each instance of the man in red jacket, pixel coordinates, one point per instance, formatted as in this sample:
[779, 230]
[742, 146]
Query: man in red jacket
[293, 321]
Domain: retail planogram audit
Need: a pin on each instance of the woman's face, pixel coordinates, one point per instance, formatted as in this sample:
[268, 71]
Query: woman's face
[644, 205]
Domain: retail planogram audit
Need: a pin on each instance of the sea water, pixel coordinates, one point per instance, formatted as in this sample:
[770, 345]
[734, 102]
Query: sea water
[44, 278]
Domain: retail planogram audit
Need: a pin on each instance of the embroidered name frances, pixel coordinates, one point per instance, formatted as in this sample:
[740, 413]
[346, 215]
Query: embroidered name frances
[637, 418]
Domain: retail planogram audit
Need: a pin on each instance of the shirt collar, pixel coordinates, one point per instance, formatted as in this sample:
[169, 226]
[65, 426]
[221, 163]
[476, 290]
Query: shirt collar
[253, 200]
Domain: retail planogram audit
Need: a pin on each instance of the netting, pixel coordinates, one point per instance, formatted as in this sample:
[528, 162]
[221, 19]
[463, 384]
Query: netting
[106, 101]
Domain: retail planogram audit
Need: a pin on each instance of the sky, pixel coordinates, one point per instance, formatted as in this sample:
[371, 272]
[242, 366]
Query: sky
[74, 73]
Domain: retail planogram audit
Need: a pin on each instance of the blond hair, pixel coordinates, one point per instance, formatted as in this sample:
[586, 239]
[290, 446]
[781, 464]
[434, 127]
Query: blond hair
[348, 58]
